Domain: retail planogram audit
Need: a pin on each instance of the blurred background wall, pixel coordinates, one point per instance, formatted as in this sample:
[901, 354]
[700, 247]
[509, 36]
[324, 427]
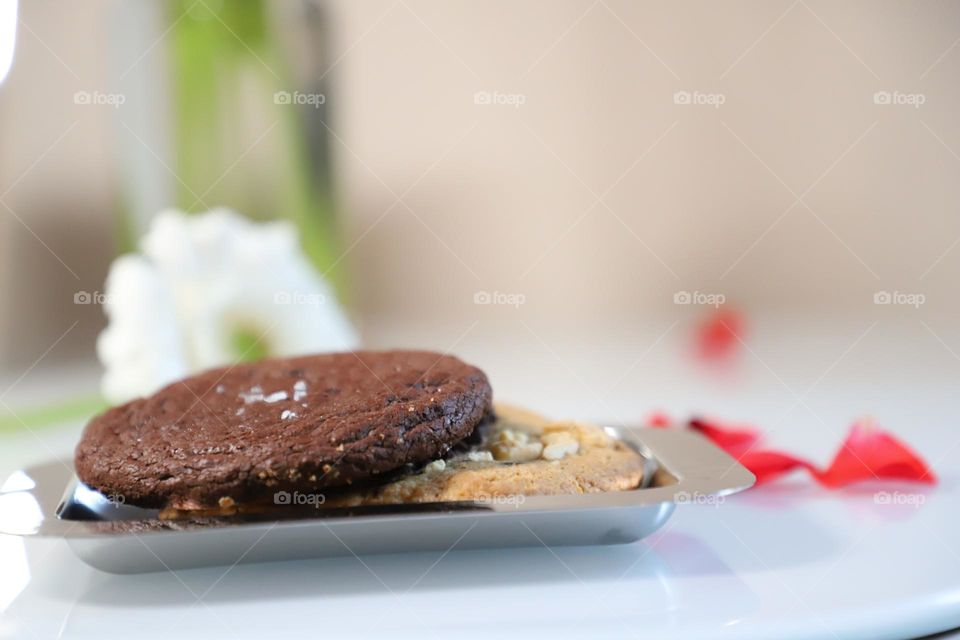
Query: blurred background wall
[594, 158]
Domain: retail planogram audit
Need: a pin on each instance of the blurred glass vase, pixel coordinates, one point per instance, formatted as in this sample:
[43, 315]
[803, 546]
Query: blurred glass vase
[217, 112]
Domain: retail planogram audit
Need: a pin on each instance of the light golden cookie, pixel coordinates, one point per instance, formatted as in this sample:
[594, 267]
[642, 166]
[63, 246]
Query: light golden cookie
[521, 454]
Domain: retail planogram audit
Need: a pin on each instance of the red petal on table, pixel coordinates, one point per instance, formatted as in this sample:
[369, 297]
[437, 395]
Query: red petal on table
[769, 465]
[739, 442]
[719, 336]
[731, 438]
[869, 453]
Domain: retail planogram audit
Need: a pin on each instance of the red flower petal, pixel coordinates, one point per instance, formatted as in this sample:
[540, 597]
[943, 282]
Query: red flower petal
[869, 453]
[658, 419]
[719, 336]
[770, 465]
[730, 438]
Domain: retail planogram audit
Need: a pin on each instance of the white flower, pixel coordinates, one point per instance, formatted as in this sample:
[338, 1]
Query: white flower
[209, 290]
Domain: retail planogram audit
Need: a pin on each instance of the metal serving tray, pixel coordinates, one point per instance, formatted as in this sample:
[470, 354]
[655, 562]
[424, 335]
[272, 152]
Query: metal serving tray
[118, 538]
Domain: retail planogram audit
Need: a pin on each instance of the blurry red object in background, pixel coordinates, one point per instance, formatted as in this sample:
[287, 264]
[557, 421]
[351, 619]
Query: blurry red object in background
[719, 335]
[658, 419]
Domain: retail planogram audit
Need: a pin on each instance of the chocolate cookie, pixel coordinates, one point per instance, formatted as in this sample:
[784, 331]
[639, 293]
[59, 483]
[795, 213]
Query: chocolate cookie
[242, 433]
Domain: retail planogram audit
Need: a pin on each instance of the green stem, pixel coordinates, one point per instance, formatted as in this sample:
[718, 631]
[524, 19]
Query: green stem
[217, 59]
[79, 408]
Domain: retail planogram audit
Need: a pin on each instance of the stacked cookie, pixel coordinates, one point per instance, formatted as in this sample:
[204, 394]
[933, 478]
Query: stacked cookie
[357, 428]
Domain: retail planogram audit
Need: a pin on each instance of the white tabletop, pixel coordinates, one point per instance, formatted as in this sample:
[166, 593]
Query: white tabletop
[786, 560]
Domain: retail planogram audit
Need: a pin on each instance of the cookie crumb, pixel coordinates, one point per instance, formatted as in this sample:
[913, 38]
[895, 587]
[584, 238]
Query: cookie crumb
[514, 445]
[479, 456]
[435, 466]
[276, 396]
[299, 390]
[254, 395]
[559, 444]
